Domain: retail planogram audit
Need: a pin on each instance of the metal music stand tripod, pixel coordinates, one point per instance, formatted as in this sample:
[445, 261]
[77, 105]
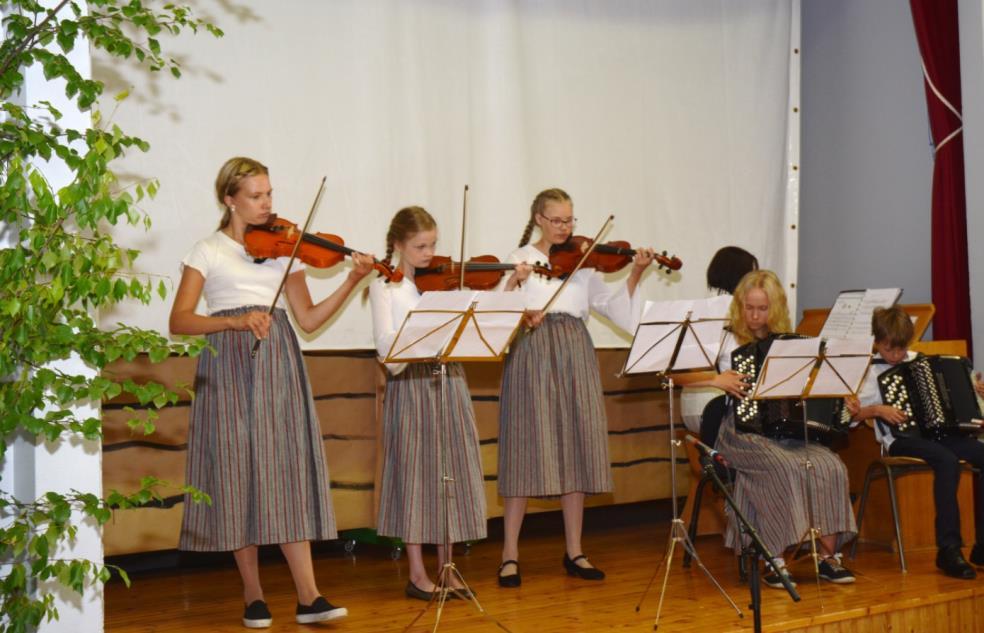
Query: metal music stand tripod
[678, 336]
[805, 369]
[449, 327]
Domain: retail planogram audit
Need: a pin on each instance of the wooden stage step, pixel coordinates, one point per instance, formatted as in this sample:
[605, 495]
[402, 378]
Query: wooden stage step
[626, 541]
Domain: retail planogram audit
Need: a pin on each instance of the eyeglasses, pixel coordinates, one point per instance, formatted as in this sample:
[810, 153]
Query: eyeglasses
[560, 222]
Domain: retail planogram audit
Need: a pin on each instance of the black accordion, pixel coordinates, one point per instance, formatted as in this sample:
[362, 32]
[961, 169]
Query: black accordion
[937, 393]
[782, 418]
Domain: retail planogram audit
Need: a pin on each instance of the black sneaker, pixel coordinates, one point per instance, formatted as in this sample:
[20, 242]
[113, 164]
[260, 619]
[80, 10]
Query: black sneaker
[257, 615]
[952, 562]
[772, 579]
[977, 555]
[831, 570]
[319, 611]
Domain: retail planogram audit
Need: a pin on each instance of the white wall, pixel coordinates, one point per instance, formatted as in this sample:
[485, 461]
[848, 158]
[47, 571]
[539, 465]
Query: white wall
[866, 156]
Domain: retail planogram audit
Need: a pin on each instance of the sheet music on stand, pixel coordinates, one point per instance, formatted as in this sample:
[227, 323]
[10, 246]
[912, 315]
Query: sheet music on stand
[467, 325]
[799, 368]
[850, 316]
[654, 346]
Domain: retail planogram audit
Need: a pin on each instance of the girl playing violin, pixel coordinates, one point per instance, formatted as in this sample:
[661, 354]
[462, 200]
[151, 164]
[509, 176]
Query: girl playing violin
[410, 498]
[553, 433]
[254, 440]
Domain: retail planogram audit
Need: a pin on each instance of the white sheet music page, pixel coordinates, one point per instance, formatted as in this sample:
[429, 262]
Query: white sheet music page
[873, 298]
[842, 313]
[496, 317]
[660, 328]
[787, 367]
[702, 341]
[845, 364]
[655, 338]
[430, 325]
[850, 316]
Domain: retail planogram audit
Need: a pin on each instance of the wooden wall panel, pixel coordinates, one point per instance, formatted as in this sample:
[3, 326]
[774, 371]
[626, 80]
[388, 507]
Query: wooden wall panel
[347, 387]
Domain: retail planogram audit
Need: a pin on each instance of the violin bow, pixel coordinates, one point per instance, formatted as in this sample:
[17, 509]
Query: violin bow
[290, 262]
[584, 257]
[464, 218]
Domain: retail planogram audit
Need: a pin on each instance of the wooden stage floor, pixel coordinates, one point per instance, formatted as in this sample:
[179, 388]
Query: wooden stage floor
[627, 542]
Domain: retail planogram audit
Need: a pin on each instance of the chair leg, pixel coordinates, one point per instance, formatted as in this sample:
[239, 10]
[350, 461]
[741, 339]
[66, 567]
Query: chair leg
[694, 517]
[890, 478]
[868, 476]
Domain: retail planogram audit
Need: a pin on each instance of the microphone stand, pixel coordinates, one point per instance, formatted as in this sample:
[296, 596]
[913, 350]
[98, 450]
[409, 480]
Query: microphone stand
[753, 551]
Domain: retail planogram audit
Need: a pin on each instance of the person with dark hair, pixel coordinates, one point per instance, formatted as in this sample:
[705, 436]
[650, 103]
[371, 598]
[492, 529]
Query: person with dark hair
[893, 333]
[727, 267]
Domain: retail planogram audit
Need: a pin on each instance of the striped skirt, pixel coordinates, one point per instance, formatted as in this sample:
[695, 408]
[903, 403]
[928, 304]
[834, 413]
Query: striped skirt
[553, 432]
[770, 488]
[417, 438]
[254, 445]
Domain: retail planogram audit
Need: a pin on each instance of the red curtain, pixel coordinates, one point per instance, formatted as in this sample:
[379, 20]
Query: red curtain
[937, 30]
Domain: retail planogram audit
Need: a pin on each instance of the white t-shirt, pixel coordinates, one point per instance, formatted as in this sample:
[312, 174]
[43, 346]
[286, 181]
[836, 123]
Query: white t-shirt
[870, 395]
[232, 278]
[390, 303]
[586, 291]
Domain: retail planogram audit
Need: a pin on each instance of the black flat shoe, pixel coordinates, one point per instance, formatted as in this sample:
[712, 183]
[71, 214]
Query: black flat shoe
[977, 555]
[461, 593]
[510, 580]
[953, 564]
[413, 591]
[257, 615]
[586, 573]
[318, 611]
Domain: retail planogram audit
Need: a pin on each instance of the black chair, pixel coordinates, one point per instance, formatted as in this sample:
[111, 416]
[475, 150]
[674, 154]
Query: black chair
[710, 424]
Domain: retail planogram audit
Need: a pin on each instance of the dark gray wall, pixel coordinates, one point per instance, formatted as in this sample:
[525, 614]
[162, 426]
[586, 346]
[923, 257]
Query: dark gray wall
[865, 155]
[972, 87]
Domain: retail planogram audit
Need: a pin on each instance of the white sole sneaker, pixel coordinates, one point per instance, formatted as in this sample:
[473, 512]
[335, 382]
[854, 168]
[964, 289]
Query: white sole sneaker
[258, 624]
[324, 616]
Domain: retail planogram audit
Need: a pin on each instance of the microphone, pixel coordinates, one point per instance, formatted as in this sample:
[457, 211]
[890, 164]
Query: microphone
[707, 451]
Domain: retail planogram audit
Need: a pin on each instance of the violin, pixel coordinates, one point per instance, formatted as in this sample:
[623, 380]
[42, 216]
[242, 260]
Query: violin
[481, 273]
[278, 236]
[609, 257]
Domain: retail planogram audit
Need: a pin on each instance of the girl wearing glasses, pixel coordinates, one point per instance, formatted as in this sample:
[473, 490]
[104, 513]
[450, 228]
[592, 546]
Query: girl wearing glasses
[553, 433]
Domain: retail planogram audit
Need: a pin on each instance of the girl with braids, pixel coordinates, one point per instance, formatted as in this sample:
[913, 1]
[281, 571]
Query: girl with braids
[410, 497]
[553, 433]
[254, 440]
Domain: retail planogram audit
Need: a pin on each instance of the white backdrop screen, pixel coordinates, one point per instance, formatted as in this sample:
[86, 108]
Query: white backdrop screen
[672, 114]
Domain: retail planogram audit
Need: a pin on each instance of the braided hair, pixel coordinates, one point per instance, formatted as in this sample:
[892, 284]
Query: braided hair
[233, 172]
[539, 204]
[407, 221]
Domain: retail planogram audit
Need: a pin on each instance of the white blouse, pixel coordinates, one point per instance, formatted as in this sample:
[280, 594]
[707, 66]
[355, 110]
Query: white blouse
[390, 303]
[586, 291]
[232, 278]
